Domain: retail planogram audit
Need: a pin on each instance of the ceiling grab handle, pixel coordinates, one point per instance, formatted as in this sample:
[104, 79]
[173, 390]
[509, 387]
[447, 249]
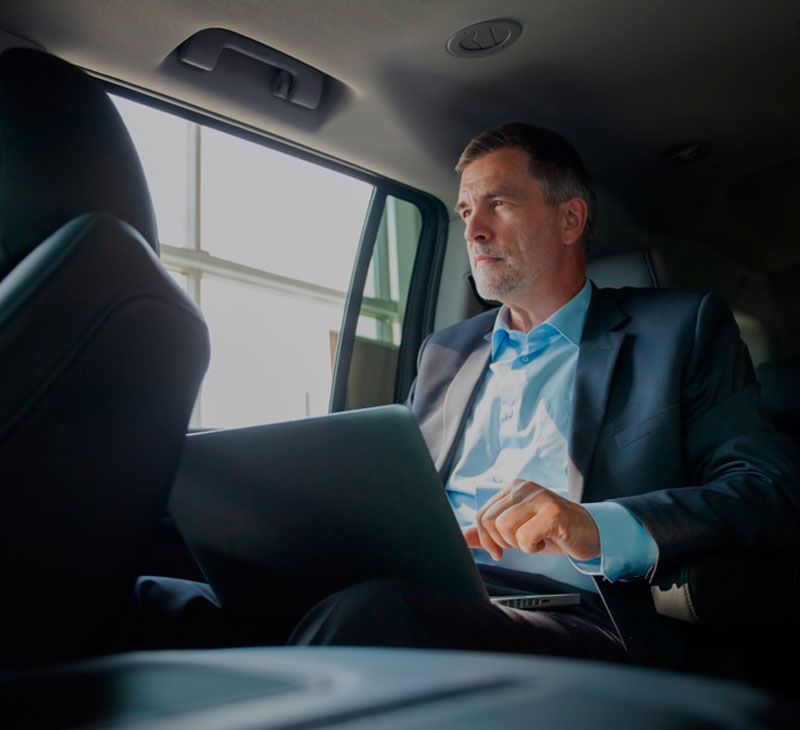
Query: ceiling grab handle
[295, 81]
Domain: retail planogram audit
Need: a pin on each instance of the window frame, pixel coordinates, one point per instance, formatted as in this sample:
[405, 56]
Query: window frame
[423, 287]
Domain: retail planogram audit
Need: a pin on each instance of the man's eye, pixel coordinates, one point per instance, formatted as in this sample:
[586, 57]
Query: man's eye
[496, 203]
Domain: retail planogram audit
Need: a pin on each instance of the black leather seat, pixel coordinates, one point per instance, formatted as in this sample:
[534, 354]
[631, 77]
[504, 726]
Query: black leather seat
[780, 395]
[101, 356]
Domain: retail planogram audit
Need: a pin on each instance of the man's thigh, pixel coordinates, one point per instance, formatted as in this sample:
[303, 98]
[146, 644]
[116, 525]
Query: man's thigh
[177, 613]
[398, 613]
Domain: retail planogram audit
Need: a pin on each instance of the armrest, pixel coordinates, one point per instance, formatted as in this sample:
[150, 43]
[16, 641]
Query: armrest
[727, 592]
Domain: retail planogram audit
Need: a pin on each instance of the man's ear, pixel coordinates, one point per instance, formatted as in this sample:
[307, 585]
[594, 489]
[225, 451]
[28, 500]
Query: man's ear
[574, 213]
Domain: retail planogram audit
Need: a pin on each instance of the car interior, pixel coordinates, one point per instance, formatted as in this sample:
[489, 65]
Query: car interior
[89, 242]
[217, 215]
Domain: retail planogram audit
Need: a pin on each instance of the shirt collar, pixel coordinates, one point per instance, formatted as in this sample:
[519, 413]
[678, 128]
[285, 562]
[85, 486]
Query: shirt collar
[568, 321]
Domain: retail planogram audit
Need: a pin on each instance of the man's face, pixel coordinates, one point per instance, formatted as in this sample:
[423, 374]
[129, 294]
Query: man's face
[512, 233]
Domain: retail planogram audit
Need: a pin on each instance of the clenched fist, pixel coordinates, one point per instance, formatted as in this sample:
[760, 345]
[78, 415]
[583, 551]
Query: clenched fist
[533, 519]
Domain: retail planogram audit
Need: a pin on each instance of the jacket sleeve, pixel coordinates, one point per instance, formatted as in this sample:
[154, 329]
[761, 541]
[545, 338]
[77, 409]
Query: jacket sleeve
[413, 389]
[742, 495]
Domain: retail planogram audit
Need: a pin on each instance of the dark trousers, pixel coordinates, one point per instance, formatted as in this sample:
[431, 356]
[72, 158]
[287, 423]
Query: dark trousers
[179, 613]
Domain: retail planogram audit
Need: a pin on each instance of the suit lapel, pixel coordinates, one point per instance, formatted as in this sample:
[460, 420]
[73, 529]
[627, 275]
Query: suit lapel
[459, 399]
[603, 335]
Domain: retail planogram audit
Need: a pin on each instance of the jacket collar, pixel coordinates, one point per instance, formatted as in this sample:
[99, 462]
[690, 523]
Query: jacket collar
[603, 334]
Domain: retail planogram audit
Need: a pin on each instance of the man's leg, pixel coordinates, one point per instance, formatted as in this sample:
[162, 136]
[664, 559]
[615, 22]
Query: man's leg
[397, 613]
[177, 613]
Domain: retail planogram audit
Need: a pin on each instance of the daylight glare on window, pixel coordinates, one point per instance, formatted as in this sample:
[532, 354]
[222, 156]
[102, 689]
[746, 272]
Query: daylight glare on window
[264, 243]
[275, 212]
[273, 363]
[162, 141]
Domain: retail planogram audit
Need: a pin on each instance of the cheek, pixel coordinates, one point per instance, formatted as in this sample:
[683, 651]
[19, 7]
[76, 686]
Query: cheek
[511, 232]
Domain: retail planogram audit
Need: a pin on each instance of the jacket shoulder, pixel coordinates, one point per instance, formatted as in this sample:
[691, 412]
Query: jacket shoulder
[664, 304]
[637, 296]
[467, 330]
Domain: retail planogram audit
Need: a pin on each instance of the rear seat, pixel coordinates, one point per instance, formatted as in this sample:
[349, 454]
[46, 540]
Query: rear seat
[780, 394]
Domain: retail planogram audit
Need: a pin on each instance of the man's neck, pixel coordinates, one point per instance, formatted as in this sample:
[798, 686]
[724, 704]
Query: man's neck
[524, 316]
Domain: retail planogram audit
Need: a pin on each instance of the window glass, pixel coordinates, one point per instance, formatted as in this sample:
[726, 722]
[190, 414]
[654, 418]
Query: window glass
[269, 210]
[386, 289]
[163, 142]
[271, 355]
[264, 244]
[180, 279]
[755, 336]
[367, 327]
[374, 365]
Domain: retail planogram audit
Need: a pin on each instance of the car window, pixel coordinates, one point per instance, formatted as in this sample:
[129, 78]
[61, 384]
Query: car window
[265, 242]
[756, 336]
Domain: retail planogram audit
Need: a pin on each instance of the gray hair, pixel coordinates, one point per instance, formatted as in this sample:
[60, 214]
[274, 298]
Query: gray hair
[554, 164]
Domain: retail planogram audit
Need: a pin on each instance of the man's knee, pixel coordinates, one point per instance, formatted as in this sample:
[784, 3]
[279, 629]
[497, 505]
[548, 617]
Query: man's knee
[178, 613]
[173, 595]
[378, 612]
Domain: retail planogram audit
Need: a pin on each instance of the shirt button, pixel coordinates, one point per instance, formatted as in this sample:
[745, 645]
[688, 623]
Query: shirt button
[497, 479]
[524, 358]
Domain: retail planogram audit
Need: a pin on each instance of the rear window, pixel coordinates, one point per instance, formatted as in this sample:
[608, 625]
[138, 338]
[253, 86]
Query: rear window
[264, 243]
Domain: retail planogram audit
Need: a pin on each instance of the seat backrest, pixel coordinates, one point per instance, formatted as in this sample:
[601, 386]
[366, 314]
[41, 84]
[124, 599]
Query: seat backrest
[780, 396]
[101, 356]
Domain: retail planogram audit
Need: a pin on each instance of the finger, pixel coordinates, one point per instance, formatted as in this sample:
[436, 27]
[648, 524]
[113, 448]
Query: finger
[485, 519]
[488, 527]
[530, 540]
[487, 541]
[512, 519]
[566, 527]
[542, 530]
[492, 501]
[471, 537]
[489, 545]
[518, 504]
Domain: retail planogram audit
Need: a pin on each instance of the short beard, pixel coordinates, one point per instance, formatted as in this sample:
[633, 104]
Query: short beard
[495, 287]
[495, 290]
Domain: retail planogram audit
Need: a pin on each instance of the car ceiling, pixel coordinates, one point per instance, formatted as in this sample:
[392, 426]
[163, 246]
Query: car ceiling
[622, 79]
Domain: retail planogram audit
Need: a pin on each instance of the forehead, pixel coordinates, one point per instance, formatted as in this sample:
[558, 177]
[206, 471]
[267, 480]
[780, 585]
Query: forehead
[506, 168]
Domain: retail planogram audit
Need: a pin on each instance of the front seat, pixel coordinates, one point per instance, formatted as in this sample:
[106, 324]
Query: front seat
[101, 357]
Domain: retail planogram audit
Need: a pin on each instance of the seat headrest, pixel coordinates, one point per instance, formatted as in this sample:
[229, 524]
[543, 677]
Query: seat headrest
[64, 150]
[642, 267]
[780, 391]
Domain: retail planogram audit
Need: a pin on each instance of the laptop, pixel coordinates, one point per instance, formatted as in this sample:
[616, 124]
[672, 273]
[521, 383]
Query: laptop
[297, 510]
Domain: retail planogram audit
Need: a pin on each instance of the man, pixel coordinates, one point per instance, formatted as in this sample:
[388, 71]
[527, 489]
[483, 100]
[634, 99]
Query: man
[589, 440]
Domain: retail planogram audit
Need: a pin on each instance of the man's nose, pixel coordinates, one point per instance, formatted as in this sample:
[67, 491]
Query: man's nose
[477, 229]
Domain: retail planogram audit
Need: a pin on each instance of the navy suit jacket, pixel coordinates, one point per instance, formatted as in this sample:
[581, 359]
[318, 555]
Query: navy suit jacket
[665, 421]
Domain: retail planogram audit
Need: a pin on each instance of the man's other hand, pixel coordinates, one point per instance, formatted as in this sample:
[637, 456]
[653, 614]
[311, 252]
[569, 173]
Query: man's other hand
[533, 519]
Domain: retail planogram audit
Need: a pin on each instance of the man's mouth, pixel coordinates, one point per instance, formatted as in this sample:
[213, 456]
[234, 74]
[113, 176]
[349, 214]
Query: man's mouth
[486, 257]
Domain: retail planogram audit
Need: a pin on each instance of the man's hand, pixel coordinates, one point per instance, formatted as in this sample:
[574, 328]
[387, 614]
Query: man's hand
[535, 520]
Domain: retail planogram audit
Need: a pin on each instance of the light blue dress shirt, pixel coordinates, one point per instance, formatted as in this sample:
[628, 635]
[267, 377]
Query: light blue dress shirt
[518, 429]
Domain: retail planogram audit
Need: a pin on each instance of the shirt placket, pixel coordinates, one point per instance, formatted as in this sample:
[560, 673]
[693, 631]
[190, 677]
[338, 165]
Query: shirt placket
[511, 391]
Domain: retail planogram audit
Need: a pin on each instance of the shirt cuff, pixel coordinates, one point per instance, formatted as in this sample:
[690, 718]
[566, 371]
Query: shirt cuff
[627, 550]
